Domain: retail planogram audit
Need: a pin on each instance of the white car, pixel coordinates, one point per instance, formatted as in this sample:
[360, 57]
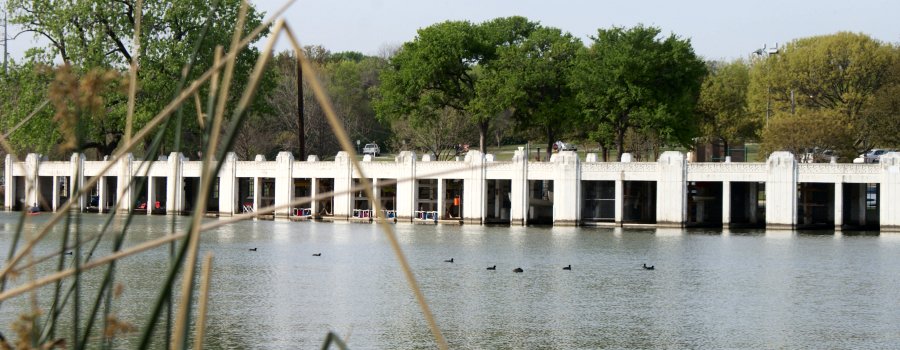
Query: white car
[371, 148]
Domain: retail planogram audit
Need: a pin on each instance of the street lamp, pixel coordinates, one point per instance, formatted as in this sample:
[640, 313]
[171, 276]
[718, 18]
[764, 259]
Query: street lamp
[768, 52]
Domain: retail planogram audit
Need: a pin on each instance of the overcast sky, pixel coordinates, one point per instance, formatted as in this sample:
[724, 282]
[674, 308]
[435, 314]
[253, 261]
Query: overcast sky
[717, 28]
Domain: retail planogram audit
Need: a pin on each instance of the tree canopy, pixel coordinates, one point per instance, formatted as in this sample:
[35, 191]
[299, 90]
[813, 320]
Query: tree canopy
[89, 35]
[633, 79]
[842, 76]
[722, 106]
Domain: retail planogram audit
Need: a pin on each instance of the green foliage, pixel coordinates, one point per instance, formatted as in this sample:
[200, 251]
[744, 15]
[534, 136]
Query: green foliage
[22, 90]
[94, 34]
[840, 75]
[632, 79]
[530, 78]
[441, 68]
[722, 106]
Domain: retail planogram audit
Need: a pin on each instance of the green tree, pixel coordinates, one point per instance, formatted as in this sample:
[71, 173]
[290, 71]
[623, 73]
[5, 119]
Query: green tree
[441, 68]
[95, 34]
[839, 75]
[724, 115]
[633, 79]
[530, 79]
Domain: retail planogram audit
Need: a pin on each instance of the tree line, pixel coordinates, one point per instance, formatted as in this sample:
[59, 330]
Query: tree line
[504, 81]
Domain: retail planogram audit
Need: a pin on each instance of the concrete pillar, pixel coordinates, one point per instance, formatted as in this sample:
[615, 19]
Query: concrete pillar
[32, 185]
[343, 182]
[151, 194]
[175, 184]
[839, 205]
[9, 197]
[671, 189]
[726, 203]
[474, 197]
[440, 198]
[406, 185]
[55, 201]
[124, 184]
[859, 200]
[313, 192]
[101, 194]
[228, 185]
[753, 202]
[781, 191]
[619, 212]
[889, 192]
[376, 198]
[256, 193]
[76, 181]
[284, 183]
[519, 192]
[566, 184]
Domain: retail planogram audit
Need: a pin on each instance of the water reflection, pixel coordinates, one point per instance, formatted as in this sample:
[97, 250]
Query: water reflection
[710, 288]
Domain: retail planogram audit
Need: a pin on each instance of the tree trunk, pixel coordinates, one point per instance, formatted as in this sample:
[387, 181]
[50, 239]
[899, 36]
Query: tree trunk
[549, 143]
[620, 143]
[482, 135]
[725, 146]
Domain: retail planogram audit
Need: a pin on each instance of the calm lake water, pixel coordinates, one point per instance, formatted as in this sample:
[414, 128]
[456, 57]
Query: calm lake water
[710, 289]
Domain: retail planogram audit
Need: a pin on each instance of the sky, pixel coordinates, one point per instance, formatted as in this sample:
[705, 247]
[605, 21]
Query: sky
[718, 29]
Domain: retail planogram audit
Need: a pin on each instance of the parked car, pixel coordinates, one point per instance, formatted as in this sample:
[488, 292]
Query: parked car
[562, 146]
[873, 155]
[372, 148]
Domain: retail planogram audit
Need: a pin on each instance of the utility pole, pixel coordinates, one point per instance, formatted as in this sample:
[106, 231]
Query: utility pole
[301, 135]
[5, 39]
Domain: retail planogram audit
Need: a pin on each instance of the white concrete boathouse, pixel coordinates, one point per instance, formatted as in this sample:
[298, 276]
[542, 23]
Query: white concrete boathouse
[780, 193]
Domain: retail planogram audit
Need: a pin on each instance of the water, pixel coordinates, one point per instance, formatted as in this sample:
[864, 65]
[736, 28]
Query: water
[710, 290]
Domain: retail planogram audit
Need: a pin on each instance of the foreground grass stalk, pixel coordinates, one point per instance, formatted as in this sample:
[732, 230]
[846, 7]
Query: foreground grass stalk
[205, 276]
[344, 140]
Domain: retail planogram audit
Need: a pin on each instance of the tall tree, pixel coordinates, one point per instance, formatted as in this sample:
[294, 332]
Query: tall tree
[838, 75]
[530, 78]
[440, 69]
[95, 34]
[723, 103]
[633, 79]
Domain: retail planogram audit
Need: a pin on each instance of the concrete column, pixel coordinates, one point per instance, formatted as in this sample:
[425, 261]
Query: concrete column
[440, 198]
[406, 185]
[256, 193]
[474, 197]
[619, 212]
[376, 193]
[54, 203]
[518, 214]
[781, 191]
[566, 176]
[753, 202]
[726, 203]
[175, 184]
[32, 185]
[313, 192]
[343, 182]
[228, 185]
[671, 189]
[151, 194]
[101, 194]
[9, 197]
[284, 183]
[76, 181]
[860, 201]
[839, 205]
[889, 192]
[124, 189]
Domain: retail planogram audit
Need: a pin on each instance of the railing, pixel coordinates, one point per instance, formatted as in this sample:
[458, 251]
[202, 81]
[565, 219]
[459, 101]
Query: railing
[426, 215]
[363, 213]
[301, 212]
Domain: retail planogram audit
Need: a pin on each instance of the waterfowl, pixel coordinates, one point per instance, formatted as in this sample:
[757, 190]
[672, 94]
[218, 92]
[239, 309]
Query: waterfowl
[69, 252]
[648, 267]
[518, 269]
[317, 254]
[492, 267]
[252, 249]
[449, 261]
[567, 267]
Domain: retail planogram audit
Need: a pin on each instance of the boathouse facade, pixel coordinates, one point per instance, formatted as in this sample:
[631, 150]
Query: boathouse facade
[778, 194]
